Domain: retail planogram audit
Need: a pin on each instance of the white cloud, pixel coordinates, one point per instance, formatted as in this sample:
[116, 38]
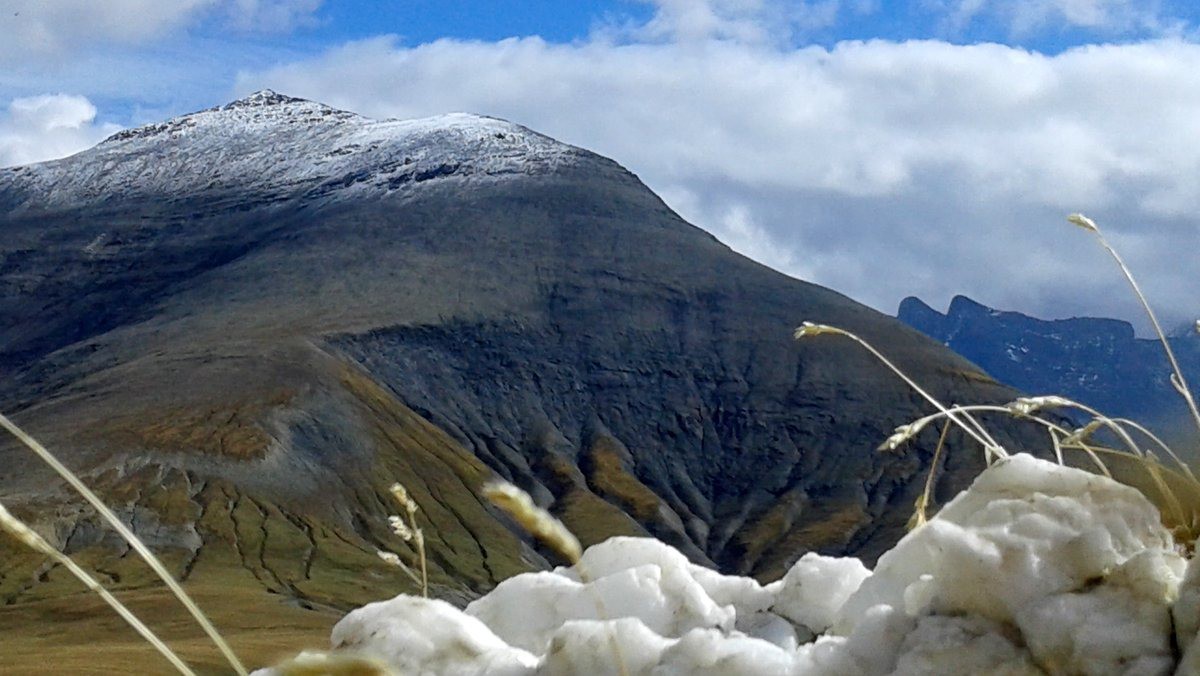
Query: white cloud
[745, 21]
[1023, 17]
[878, 168]
[738, 228]
[40, 26]
[272, 16]
[46, 127]
[58, 28]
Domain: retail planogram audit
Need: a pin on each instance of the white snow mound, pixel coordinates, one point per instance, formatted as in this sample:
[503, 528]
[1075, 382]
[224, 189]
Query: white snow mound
[1034, 569]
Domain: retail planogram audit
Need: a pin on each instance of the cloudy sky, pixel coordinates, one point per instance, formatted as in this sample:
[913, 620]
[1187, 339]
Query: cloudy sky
[882, 148]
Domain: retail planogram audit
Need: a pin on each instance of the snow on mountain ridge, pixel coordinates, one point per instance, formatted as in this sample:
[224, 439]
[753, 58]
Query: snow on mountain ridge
[285, 147]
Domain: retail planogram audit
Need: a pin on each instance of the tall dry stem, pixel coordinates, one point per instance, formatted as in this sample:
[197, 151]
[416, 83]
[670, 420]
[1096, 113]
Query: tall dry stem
[1177, 377]
[553, 533]
[970, 425]
[129, 537]
[30, 538]
[408, 531]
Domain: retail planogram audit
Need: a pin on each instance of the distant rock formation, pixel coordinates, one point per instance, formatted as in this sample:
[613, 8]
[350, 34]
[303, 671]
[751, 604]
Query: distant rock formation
[1096, 361]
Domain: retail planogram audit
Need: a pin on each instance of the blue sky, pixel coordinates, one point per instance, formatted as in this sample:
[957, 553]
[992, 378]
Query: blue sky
[928, 147]
[418, 21]
[427, 20]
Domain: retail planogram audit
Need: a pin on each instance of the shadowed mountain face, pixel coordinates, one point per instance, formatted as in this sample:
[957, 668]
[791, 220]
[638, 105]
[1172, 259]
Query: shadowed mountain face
[244, 324]
[1096, 361]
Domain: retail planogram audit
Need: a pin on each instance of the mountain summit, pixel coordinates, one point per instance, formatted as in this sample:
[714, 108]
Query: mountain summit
[286, 148]
[245, 323]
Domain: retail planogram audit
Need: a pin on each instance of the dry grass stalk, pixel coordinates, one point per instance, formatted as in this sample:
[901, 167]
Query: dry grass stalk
[537, 521]
[993, 450]
[391, 558]
[408, 531]
[129, 537]
[553, 533]
[1177, 378]
[30, 538]
[925, 499]
[1182, 517]
[1177, 493]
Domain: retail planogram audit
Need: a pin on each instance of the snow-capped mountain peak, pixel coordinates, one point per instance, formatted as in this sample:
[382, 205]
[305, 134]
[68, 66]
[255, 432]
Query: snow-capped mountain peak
[262, 108]
[285, 147]
[264, 98]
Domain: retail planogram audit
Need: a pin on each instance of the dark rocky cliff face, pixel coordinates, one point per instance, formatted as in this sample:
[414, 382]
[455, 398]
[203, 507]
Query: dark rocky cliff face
[1096, 361]
[243, 325]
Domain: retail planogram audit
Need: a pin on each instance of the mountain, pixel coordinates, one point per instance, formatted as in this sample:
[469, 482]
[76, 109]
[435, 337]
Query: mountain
[1098, 362]
[245, 323]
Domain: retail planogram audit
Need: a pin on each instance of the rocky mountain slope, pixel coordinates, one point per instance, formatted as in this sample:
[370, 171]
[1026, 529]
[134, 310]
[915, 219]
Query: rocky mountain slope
[1095, 361]
[245, 323]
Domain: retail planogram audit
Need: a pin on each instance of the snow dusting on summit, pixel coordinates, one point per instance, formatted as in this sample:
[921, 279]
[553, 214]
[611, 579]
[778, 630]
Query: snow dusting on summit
[286, 147]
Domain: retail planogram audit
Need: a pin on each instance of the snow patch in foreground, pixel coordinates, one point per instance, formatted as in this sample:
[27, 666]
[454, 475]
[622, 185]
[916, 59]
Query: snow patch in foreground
[1034, 569]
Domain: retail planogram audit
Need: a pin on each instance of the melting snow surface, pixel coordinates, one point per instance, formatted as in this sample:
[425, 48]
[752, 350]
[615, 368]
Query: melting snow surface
[1034, 569]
